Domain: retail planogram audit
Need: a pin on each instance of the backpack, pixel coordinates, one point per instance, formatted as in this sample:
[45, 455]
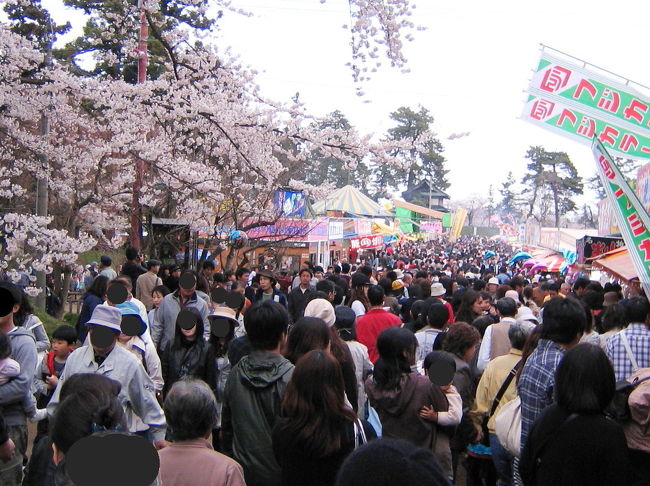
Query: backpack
[619, 408]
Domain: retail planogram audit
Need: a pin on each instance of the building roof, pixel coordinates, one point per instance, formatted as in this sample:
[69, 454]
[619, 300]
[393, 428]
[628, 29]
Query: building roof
[423, 187]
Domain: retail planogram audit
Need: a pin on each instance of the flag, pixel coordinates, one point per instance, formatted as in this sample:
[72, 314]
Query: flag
[633, 220]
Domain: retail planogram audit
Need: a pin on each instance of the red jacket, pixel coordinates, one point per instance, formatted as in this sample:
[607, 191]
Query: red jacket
[370, 325]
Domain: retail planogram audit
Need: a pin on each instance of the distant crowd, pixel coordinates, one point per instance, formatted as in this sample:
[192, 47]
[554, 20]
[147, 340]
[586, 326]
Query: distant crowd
[425, 363]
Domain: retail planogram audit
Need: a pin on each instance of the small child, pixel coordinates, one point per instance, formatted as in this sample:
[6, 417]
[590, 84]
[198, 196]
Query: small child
[51, 368]
[10, 369]
[158, 293]
[445, 420]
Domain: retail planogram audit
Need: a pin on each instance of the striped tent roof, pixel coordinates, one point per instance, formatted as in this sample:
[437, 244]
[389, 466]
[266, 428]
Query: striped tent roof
[351, 201]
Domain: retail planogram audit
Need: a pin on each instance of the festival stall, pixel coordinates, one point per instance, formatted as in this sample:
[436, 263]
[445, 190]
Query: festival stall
[616, 264]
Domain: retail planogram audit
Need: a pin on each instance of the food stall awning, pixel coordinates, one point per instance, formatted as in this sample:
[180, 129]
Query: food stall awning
[617, 263]
[417, 209]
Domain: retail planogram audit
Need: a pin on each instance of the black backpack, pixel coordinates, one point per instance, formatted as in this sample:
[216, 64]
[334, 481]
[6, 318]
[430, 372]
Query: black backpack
[619, 408]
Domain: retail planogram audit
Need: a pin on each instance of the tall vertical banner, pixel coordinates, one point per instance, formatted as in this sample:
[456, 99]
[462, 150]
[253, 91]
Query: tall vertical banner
[457, 223]
[633, 220]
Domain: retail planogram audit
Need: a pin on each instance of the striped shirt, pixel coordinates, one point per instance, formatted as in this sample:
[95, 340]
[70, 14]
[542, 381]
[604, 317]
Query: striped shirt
[638, 336]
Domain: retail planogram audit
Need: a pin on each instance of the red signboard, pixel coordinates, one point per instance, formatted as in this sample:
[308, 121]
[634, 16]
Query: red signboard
[366, 242]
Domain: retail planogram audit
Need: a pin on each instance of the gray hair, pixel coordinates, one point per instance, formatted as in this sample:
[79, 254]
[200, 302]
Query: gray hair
[517, 333]
[190, 409]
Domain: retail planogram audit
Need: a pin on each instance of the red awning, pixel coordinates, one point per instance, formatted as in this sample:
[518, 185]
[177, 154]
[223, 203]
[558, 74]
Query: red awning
[618, 263]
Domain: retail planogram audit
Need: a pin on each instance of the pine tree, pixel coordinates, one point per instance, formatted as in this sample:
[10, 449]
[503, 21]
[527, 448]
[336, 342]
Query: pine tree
[422, 162]
[551, 175]
[508, 204]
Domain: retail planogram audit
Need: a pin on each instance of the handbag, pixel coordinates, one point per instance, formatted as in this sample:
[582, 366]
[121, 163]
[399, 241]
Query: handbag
[497, 400]
[507, 425]
[359, 434]
[373, 420]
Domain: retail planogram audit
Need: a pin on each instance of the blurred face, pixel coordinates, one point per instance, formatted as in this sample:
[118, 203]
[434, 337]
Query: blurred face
[319, 275]
[265, 283]
[244, 277]
[189, 333]
[157, 298]
[187, 293]
[492, 288]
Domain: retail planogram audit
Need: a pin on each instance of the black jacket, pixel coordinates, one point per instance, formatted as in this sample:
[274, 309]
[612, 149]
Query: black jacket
[183, 358]
[588, 450]
[297, 301]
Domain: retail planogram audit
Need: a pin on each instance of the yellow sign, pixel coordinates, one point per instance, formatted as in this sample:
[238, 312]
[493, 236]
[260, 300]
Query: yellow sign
[457, 223]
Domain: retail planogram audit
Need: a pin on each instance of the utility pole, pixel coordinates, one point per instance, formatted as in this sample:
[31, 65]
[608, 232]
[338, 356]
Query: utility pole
[42, 196]
[136, 208]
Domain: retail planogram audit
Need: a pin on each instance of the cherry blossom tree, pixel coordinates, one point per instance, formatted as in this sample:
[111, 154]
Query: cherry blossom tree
[206, 138]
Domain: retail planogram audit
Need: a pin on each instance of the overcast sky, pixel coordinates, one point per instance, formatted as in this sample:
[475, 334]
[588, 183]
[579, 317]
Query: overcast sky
[469, 69]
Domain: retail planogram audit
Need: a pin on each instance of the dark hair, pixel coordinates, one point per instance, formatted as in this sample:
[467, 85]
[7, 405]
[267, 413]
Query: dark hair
[517, 282]
[121, 281]
[65, 333]
[395, 345]
[208, 264]
[190, 409]
[365, 269]
[459, 338]
[594, 299]
[313, 409]
[5, 346]
[581, 283]
[506, 306]
[613, 317]
[24, 311]
[345, 267]
[84, 411]
[501, 291]
[482, 323]
[161, 289]
[241, 271]
[376, 295]
[386, 284]
[180, 338]
[303, 270]
[465, 312]
[326, 286]
[217, 277]
[584, 380]
[448, 284]
[131, 253]
[438, 315]
[637, 309]
[89, 382]
[307, 334]
[99, 286]
[562, 320]
[479, 285]
[265, 323]
[359, 294]
[391, 462]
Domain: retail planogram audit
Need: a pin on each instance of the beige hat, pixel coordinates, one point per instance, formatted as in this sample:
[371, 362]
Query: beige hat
[322, 309]
[513, 294]
[493, 281]
[437, 289]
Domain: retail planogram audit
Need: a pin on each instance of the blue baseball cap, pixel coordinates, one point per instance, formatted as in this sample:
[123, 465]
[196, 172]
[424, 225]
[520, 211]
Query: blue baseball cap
[128, 308]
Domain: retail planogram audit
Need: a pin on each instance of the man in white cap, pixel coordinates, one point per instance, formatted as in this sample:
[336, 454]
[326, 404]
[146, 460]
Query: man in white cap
[495, 340]
[107, 358]
[492, 286]
[437, 291]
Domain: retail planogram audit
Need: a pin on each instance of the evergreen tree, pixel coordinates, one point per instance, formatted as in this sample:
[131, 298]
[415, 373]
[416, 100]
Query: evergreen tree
[509, 203]
[111, 33]
[628, 168]
[423, 161]
[551, 176]
[338, 170]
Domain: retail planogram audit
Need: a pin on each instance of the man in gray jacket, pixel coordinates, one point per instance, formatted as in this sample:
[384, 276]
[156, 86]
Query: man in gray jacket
[184, 297]
[13, 393]
[253, 393]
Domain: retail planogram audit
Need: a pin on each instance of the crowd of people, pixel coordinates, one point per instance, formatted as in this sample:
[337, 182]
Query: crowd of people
[413, 365]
